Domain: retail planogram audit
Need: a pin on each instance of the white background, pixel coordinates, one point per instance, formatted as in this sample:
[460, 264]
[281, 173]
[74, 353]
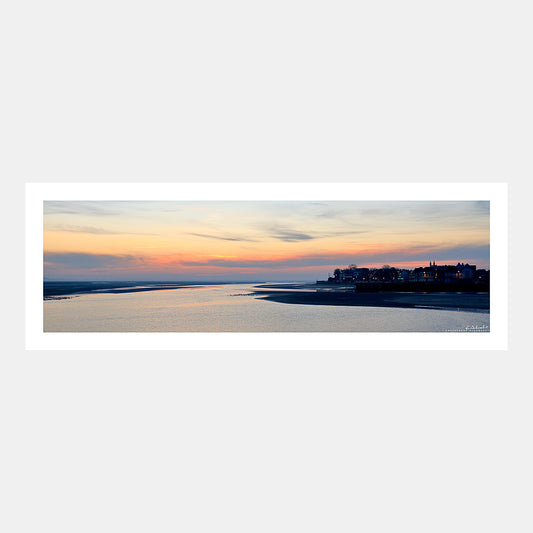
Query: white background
[266, 441]
[495, 193]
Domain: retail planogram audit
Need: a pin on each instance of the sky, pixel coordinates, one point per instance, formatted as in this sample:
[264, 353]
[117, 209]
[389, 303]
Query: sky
[254, 240]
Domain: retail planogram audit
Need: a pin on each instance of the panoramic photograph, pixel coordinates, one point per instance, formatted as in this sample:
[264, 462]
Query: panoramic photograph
[266, 266]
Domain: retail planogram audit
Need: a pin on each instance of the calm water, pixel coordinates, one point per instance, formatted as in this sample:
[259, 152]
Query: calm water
[234, 308]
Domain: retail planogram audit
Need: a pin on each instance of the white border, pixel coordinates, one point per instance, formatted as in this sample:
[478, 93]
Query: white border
[36, 193]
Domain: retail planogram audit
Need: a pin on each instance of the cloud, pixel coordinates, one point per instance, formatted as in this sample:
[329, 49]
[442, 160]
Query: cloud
[93, 230]
[279, 232]
[286, 234]
[103, 208]
[420, 253]
[282, 233]
[77, 260]
[431, 212]
[222, 238]
[112, 265]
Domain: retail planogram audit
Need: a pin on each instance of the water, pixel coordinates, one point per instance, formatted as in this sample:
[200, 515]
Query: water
[234, 308]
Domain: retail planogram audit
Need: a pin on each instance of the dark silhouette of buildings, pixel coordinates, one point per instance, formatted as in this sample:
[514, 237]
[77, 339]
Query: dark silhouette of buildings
[461, 273]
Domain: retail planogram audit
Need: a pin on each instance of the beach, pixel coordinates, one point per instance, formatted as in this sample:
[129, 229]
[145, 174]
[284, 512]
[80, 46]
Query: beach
[293, 293]
[310, 295]
[66, 289]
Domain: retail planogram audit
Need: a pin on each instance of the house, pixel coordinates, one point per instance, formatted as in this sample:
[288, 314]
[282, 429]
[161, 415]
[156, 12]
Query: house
[465, 271]
[403, 275]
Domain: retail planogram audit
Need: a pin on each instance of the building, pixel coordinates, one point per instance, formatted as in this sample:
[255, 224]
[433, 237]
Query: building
[427, 274]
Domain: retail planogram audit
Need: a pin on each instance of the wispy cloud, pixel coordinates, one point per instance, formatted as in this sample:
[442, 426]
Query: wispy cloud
[93, 230]
[222, 237]
[279, 232]
[89, 261]
[288, 234]
[283, 233]
[80, 208]
[80, 264]
[421, 253]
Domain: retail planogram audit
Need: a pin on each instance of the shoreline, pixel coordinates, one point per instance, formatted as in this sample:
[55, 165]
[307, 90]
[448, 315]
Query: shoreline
[52, 290]
[296, 293]
[66, 292]
[476, 302]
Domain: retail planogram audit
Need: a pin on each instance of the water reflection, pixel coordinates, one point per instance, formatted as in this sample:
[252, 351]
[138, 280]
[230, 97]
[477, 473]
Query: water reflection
[217, 308]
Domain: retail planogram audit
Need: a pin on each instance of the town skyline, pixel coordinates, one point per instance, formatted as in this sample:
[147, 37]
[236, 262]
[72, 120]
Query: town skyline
[256, 240]
[440, 273]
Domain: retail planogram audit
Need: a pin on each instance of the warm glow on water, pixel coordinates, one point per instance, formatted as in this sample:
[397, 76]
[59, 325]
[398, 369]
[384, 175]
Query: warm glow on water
[233, 308]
